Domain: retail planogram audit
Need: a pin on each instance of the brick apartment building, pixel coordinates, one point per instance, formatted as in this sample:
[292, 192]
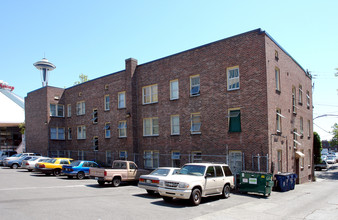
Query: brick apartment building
[242, 100]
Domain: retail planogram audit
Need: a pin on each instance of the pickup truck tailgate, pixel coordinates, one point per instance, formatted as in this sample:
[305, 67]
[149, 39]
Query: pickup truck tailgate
[96, 172]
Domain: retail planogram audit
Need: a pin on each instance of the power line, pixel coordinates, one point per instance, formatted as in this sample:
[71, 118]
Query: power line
[322, 128]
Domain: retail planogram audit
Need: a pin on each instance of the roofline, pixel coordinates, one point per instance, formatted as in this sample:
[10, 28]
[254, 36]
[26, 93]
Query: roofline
[273, 40]
[259, 30]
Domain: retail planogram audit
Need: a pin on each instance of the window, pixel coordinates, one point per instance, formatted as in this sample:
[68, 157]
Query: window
[195, 123]
[233, 78]
[123, 155]
[106, 103]
[301, 125]
[174, 92]
[176, 157]
[219, 171]
[151, 159]
[276, 55]
[80, 155]
[235, 120]
[279, 161]
[295, 134]
[122, 99]
[95, 118]
[308, 99]
[69, 110]
[294, 100]
[150, 94]
[196, 156]
[150, 127]
[310, 156]
[108, 157]
[210, 171]
[277, 77]
[107, 130]
[81, 132]
[57, 133]
[96, 143]
[279, 117]
[81, 108]
[308, 129]
[69, 133]
[175, 124]
[56, 110]
[301, 161]
[195, 85]
[300, 96]
[122, 127]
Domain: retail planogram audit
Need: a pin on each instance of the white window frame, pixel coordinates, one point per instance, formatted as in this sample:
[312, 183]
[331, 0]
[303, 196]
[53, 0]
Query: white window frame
[106, 102]
[195, 85]
[121, 100]
[174, 89]
[279, 117]
[81, 132]
[175, 125]
[301, 125]
[233, 79]
[55, 113]
[69, 133]
[308, 99]
[294, 108]
[107, 130]
[152, 126]
[81, 108]
[95, 143]
[309, 128]
[123, 155]
[196, 156]
[150, 94]
[69, 110]
[194, 122]
[300, 94]
[122, 127]
[151, 159]
[55, 133]
[277, 78]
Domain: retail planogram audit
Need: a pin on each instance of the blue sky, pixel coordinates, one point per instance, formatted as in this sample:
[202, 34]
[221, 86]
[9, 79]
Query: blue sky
[95, 38]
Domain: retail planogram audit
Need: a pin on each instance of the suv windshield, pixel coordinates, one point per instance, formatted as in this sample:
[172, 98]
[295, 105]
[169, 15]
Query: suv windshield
[195, 170]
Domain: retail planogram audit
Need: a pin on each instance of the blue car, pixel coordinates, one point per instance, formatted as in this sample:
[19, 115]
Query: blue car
[78, 168]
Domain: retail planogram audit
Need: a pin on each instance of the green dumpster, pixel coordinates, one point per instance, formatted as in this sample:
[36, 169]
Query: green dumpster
[256, 182]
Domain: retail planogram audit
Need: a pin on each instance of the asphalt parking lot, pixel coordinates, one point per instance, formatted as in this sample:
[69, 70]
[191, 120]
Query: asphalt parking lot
[25, 195]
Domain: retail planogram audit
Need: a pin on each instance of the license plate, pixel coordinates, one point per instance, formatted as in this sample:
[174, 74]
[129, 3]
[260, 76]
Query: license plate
[96, 178]
[148, 181]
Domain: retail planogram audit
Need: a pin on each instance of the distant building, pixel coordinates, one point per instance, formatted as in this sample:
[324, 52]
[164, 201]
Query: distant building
[12, 114]
[242, 100]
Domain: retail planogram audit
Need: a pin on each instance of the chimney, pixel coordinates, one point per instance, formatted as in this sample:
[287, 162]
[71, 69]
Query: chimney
[131, 64]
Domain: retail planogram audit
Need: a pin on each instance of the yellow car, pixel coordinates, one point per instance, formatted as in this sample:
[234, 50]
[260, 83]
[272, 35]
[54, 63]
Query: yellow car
[52, 166]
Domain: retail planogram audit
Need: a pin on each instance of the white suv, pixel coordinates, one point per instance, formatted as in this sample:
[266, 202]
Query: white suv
[197, 180]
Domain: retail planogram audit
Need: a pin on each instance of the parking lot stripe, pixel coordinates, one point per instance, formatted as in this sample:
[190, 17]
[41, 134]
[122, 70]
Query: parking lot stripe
[47, 187]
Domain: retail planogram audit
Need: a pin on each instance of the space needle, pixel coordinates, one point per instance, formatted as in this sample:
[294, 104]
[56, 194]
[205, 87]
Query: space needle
[44, 66]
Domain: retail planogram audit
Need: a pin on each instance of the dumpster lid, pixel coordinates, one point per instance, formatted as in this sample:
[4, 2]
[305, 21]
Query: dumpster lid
[299, 154]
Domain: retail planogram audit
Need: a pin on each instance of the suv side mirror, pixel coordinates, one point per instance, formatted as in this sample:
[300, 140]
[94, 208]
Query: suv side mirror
[208, 175]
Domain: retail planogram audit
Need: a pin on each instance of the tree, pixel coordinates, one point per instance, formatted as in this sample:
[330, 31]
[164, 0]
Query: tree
[334, 140]
[83, 78]
[317, 148]
[22, 127]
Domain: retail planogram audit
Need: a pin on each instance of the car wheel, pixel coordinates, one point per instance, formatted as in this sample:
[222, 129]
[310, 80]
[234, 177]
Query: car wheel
[80, 175]
[70, 177]
[56, 172]
[167, 199]
[116, 181]
[100, 182]
[226, 192]
[30, 170]
[150, 192]
[15, 166]
[196, 197]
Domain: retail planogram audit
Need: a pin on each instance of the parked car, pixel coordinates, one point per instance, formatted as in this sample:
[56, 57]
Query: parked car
[197, 180]
[4, 154]
[15, 164]
[78, 168]
[52, 166]
[331, 159]
[17, 156]
[121, 171]
[151, 181]
[30, 164]
[321, 166]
